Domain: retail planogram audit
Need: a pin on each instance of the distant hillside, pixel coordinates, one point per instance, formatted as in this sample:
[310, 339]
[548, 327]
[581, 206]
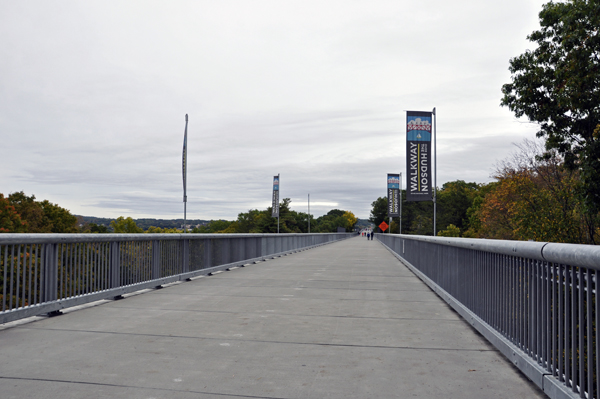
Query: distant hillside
[145, 223]
[362, 223]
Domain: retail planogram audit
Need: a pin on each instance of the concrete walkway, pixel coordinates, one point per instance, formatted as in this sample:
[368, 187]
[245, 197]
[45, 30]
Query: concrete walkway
[346, 320]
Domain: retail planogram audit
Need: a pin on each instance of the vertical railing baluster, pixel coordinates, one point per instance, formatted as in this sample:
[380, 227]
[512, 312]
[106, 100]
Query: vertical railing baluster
[560, 323]
[31, 275]
[18, 276]
[554, 316]
[597, 333]
[36, 297]
[12, 277]
[580, 342]
[61, 270]
[568, 331]
[589, 386]
[4, 249]
[574, 282]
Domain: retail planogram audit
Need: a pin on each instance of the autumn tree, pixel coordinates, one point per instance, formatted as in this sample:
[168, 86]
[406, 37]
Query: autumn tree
[10, 220]
[350, 220]
[556, 86]
[30, 211]
[42, 216]
[534, 198]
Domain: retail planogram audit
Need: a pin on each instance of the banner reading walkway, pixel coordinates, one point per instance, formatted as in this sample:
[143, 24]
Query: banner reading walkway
[418, 156]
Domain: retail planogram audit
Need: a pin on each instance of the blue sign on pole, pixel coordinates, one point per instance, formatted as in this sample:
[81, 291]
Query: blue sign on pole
[275, 212]
[393, 188]
[418, 156]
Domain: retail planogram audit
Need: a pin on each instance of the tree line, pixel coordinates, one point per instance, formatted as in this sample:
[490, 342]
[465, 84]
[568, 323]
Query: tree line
[20, 213]
[534, 196]
[290, 221]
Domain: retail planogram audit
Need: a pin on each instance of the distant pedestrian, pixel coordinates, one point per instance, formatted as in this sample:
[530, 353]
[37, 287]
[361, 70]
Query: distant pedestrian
[372, 234]
[368, 235]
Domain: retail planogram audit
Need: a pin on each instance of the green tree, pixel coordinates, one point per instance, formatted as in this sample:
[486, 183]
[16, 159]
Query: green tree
[95, 228]
[122, 225]
[556, 86]
[378, 211]
[450, 231]
[163, 230]
[57, 219]
[454, 199]
[336, 212]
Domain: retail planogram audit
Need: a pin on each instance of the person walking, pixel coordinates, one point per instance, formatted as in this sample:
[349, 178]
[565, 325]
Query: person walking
[368, 235]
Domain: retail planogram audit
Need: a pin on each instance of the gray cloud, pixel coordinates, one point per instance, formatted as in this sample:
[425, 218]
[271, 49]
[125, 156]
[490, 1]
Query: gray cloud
[93, 96]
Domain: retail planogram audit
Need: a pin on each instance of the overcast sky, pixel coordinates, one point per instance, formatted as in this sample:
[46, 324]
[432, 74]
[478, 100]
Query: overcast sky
[93, 97]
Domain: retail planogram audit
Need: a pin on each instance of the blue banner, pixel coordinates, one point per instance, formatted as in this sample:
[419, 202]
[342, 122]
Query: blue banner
[393, 182]
[418, 156]
[275, 204]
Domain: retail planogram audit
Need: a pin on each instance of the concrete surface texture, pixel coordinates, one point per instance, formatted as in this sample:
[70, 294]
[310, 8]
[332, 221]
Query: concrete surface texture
[346, 320]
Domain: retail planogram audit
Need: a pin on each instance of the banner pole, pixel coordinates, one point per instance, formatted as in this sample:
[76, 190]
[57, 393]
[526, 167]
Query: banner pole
[434, 173]
[184, 171]
[400, 218]
[308, 213]
[278, 210]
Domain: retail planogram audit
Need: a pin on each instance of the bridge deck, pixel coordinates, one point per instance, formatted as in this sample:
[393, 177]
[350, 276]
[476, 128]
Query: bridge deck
[346, 320]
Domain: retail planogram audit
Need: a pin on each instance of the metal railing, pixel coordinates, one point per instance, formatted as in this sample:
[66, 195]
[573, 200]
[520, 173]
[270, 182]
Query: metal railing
[536, 302]
[44, 273]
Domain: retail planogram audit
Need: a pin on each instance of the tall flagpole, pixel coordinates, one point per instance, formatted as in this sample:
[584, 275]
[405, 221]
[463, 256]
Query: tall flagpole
[278, 179]
[434, 172]
[184, 171]
[400, 218]
[309, 213]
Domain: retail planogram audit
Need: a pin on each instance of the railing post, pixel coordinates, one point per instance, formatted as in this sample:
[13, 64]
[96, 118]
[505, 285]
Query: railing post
[50, 275]
[185, 255]
[207, 253]
[155, 259]
[115, 265]
[263, 246]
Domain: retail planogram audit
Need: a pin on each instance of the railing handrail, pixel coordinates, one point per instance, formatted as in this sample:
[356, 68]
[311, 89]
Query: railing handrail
[578, 255]
[51, 238]
[43, 273]
[536, 302]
